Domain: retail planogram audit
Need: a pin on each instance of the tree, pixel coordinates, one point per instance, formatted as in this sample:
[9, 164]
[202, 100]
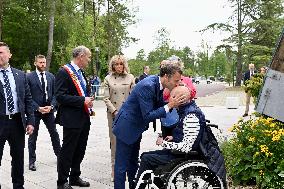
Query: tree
[162, 50]
[202, 61]
[250, 18]
[136, 66]
[1, 17]
[50, 34]
[26, 36]
[267, 23]
[218, 61]
[141, 55]
[73, 23]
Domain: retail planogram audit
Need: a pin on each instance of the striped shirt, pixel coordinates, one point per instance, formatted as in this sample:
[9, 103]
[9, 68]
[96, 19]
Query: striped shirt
[191, 129]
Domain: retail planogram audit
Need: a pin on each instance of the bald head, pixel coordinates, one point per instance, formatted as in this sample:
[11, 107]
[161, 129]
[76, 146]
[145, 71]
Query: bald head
[181, 90]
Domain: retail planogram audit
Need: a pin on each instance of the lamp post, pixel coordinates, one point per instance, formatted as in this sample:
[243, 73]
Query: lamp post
[97, 60]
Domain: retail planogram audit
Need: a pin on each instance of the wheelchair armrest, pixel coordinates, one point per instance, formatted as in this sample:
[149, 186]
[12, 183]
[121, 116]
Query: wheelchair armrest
[192, 153]
[180, 154]
[212, 125]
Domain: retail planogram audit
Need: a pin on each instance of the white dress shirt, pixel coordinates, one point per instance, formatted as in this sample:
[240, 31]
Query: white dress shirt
[45, 81]
[13, 89]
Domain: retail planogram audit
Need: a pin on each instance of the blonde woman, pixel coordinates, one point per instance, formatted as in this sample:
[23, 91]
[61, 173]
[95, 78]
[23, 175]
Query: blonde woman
[118, 85]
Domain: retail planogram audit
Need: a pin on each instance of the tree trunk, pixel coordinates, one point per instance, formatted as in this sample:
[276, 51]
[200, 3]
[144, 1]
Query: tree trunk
[1, 17]
[240, 43]
[85, 9]
[50, 34]
[108, 30]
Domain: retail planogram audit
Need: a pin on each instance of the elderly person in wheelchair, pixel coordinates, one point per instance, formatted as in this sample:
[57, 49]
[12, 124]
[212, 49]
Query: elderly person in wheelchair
[190, 158]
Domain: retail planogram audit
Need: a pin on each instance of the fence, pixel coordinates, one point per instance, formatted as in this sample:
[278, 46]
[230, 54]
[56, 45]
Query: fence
[97, 91]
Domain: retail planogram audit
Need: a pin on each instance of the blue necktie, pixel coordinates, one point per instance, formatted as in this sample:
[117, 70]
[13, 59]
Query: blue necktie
[9, 99]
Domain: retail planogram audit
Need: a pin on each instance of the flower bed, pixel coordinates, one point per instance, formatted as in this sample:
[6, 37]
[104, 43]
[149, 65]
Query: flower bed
[255, 155]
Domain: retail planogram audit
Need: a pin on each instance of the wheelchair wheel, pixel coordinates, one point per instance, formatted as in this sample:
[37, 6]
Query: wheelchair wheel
[193, 175]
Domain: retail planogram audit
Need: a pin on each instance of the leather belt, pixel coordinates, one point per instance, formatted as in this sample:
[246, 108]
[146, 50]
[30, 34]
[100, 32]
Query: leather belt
[11, 116]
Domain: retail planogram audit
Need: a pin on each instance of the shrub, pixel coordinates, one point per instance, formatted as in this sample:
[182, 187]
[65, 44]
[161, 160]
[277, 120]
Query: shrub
[255, 155]
[254, 85]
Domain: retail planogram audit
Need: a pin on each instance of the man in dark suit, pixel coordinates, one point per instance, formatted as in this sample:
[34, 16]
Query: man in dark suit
[16, 115]
[247, 76]
[74, 115]
[146, 71]
[143, 105]
[41, 84]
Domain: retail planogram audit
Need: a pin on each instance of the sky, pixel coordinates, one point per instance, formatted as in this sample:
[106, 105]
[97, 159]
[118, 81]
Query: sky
[182, 18]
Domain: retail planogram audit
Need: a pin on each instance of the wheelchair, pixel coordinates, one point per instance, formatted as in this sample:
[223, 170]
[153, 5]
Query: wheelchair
[188, 172]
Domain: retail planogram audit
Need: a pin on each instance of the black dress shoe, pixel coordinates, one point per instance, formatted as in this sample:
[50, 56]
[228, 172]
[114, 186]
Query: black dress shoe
[79, 182]
[32, 167]
[64, 186]
[245, 115]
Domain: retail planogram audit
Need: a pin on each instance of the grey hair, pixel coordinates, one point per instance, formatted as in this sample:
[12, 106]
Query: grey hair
[176, 60]
[77, 51]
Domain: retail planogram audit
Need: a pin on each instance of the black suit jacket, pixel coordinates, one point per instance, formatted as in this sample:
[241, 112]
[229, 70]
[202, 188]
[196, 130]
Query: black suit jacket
[143, 76]
[70, 112]
[24, 98]
[247, 76]
[37, 91]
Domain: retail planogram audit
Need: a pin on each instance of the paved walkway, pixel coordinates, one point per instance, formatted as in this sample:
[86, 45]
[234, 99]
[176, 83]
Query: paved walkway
[96, 167]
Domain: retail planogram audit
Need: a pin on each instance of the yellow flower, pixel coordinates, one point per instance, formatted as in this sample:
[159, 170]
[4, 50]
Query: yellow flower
[267, 132]
[253, 125]
[261, 172]
[276, 138]
[256, 121]
[251, 139]
[272, 125]
[275, 132]
[263, 148]
[269, 119]
[268, 154]
[256, 154]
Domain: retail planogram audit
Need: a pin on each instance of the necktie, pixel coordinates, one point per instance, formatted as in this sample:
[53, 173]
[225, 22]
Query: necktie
[43, 87]
[7, 86]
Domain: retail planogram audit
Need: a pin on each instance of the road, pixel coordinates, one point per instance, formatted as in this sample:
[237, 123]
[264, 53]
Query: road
[204, 89]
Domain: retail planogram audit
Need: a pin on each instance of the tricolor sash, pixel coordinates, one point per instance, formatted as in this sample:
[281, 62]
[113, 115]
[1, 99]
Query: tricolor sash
[80, 87]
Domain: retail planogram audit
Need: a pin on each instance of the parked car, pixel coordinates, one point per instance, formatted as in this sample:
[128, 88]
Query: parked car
[222, 79]
[208, 81]
[197, 80]
[212, 78]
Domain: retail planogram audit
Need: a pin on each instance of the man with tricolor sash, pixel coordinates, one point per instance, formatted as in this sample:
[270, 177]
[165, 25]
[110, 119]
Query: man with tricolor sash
[75, 108]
